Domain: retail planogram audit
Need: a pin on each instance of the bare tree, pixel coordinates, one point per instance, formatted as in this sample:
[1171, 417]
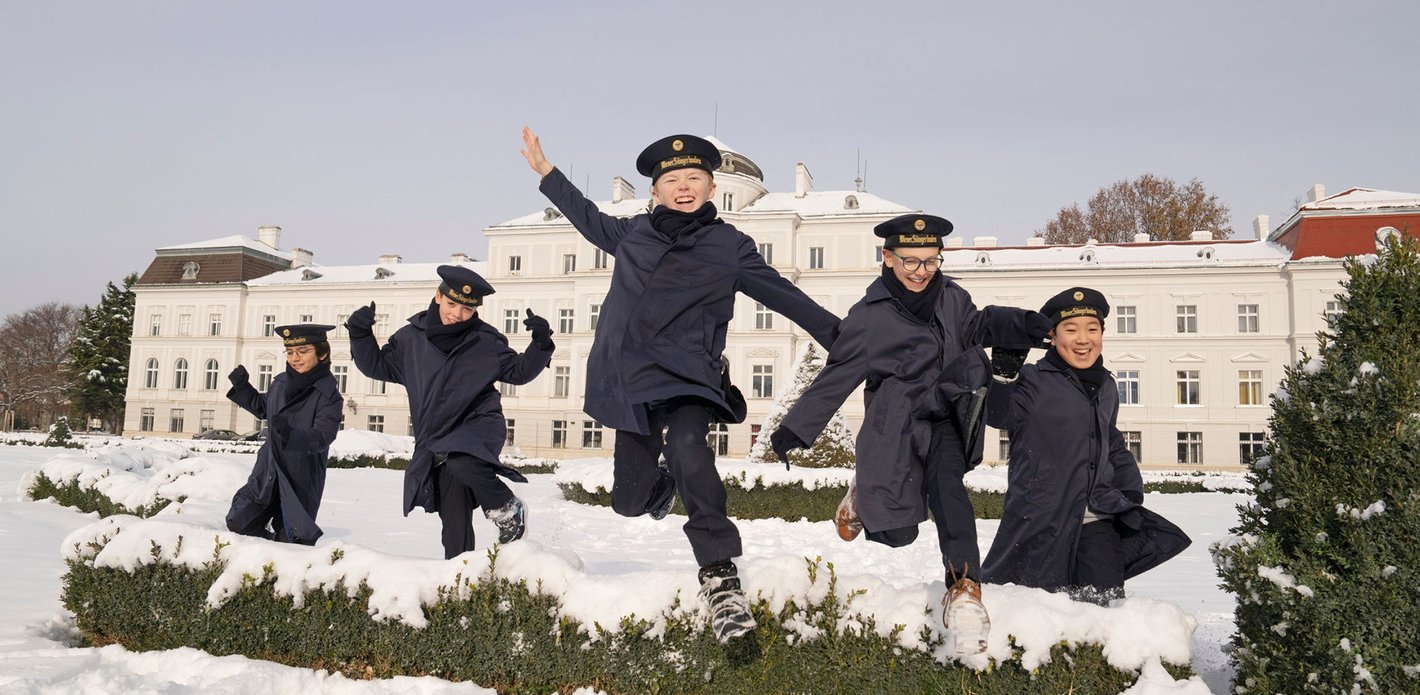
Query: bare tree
[1150, 205]
[33, 346]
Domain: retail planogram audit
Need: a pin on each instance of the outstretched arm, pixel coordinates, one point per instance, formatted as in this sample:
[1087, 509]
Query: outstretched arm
[604, 231]
[845, 369]
[532, 151]
[766, 285]
[244, 395]
[522, 368]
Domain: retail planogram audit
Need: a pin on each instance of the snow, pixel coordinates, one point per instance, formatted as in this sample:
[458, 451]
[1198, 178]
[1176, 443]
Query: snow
[233, 241]
[1365, 199]
[579, 552]
[420, 273]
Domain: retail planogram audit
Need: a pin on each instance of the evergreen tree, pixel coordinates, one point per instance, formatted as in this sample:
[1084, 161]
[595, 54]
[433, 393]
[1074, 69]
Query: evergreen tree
[98, 357]
[1325, 562]
[834, 446]
[58, 432]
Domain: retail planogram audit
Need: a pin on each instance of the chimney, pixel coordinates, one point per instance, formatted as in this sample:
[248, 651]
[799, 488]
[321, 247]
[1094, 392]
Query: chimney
[803, 180]
[1200, 235]
[1317, 192]
[301, 258]
[621, 189]
[270, 235]
[1141, 238]
[1035, 241]
[954, 242]
[390, 259]
[459, 258]
[1262, 226]
[983, 241]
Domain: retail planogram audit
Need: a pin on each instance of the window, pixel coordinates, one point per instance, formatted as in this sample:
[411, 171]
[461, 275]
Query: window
[878, 254]
[209, 376]
[205, 418]
[175, 420]
[591, 435]
[718, 439]
[510, 426]
[599, 259]
[1187, 318]
[341, 372]
[592, 316]
[268, 325]
[815, 257]
[762, 380]
[1333, 309]
[729, 201]
[263, 377]
[511, 321]
[190, 270]
[155, 324]
[375, 423]
[1247, 318]
[1249, 387]
[382, 325]
[1126, 319]
[1128, 382]
[1003, 446]
[754, 434]
[507, 389]
[1135, 442]
[1250, 446]
[307, 318]
[564, 321]
[1188, 387]
[561, 381]
[214, 324]
[180, 374]
[767, 251]
[378, 387]
[145, 420]
[515, 265]
[340, 320]
[569, 263]
[150, 376]
[763, 318]
[559, 434]
[184, 324]
[1190, 448]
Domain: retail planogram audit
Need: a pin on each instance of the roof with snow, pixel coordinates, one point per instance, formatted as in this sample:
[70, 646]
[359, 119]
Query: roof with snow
[1173, 254]
[233, 242]
[425, 273]
[826, 204]
[1365, 199]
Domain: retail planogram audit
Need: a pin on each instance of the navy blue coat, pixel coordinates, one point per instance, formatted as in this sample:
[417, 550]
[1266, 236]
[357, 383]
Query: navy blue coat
[293, 468]
[453, 399]
[662, 326]
[1066, 453]
[901, 357]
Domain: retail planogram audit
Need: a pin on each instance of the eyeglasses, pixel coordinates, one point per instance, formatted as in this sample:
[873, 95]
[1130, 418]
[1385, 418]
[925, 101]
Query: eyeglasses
[911, 264]
[302, 351]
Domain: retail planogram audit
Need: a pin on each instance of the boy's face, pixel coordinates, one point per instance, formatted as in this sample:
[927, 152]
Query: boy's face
[450, 311]
[684, 190]
[926, 258]
[1079, 340]
[302, 358]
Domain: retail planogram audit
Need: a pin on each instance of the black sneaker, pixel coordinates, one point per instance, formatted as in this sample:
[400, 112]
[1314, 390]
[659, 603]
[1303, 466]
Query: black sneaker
[511, 520]
[662, 497]
[729, 609]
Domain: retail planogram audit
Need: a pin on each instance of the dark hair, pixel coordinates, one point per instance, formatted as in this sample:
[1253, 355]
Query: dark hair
[323, 350]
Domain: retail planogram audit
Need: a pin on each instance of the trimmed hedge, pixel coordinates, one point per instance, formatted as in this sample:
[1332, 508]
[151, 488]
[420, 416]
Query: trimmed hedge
[88, 499]
[400, 463]
[788, 502]
[505, 635]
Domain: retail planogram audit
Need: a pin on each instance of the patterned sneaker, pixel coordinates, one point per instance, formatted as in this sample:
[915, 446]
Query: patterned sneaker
[849, 525]
[965, 616]
[511, 520]
[729, 609]
[663, 494]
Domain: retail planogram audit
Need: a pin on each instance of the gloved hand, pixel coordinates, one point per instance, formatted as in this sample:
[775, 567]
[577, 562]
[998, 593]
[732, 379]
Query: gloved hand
[783, 441]
[361, 324]
[1006, 363]
[239, 376]
[540, 329]
[1134, 496]
[1038, 328]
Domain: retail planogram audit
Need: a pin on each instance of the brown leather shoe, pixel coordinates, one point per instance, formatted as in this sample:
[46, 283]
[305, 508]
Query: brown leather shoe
[849, 525]
[965, 616]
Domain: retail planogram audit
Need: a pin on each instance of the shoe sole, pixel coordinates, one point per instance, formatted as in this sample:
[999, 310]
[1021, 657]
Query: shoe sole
[969, 624]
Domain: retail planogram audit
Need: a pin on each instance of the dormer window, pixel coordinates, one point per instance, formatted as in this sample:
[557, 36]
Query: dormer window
[850, 202]
[382, 273]
[309, 274]
[190, 269]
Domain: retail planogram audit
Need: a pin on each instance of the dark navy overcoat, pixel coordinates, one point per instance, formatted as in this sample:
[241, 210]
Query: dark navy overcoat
[292, 468]
[454, 402]
[900, 359]
[662, 326]
[1066, 453]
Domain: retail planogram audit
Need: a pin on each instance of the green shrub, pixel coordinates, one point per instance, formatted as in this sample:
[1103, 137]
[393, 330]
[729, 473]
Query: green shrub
[1183, 487]
[789, 502]
[367, 461]
[87, 499]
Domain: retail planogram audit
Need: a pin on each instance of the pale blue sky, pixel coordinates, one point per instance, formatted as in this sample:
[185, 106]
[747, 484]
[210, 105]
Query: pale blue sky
[364, 128]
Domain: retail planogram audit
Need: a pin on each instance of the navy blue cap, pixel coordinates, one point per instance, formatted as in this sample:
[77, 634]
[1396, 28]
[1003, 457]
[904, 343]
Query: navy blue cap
[462, 285]
[1076, 301]
[303, 334]
[925, 231]
[677, 152]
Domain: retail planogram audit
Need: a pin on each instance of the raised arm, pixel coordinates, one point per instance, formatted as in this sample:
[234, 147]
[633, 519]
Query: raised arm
[604, 231]
[763, 283]
[242, 393]
[520, 368]
[372, 360]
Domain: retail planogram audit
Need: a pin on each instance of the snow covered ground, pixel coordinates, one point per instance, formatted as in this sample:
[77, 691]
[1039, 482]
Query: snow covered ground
[361, 514]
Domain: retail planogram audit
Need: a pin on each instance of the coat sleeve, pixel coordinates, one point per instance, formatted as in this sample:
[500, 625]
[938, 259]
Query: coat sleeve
[845, 369]
[520, 368]
[249, 399]
[766, 285]
[1009, 405]
[377, 362]
[321, 433]
[604, 231]
[995, 325]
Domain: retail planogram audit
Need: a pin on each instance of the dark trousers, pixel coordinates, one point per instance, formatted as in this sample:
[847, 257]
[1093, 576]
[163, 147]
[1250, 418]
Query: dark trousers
[465, 483]
[256, 525]
[1099, 562]
[950, 506]
[637, 479]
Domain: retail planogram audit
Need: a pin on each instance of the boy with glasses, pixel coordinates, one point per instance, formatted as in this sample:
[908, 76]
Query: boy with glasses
[916, 340]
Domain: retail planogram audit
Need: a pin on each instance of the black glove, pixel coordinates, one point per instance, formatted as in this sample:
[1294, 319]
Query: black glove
[1134, 496]
[540, 329]
[1038, 328]
[783, 441]
[239, 376]
[361, 324]
[1006, 363]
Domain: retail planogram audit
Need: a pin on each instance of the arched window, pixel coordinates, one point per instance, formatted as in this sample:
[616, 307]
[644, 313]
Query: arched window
[180, 374]
[150, 378]
[209, 376]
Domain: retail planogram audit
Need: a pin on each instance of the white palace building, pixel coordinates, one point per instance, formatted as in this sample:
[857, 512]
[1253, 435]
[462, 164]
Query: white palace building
[1198, 335]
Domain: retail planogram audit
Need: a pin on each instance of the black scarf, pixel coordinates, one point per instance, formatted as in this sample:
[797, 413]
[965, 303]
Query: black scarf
[446, 338]
[674, 223]
[919, 304]
[1091, 377]
[297, 383]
